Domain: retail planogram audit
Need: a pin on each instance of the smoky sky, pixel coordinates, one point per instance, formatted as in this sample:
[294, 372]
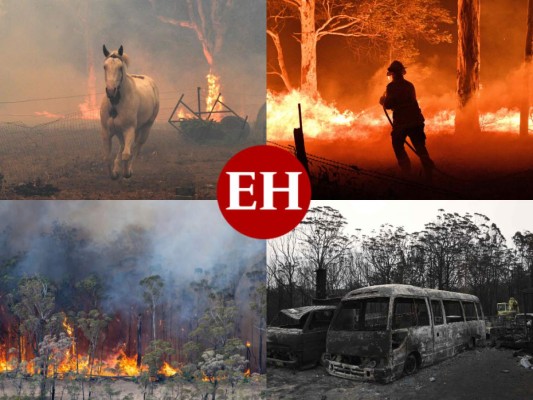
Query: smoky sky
[123, 242]
[46, 49]
[356, 80]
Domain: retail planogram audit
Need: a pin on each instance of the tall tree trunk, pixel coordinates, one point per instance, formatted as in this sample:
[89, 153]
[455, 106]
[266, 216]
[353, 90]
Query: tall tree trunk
[308, 78]
[139, 340]
[283, 73]
[524, 109]
[468, 61]
[153, 321]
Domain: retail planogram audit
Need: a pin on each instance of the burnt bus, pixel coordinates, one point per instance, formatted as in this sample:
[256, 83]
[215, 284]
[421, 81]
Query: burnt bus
[382, 332]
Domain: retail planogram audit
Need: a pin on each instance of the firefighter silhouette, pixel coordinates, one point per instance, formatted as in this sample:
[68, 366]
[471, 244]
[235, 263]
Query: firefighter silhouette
[407, 119]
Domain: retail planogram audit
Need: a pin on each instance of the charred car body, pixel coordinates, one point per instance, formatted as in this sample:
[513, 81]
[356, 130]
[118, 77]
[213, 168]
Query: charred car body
[297, 337]
[381, 332]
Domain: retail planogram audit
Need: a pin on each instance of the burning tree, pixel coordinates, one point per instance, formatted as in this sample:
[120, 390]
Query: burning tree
[468, 62]
[74, 319]
[34, 307]
[207, 18]
[92, 324]
[387, 25]
[524, 111]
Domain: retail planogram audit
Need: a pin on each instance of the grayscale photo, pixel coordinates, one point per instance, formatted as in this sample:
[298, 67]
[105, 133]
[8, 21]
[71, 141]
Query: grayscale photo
[402, 300]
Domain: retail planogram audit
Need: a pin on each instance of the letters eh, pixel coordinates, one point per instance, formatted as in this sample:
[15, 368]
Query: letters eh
[268, 190]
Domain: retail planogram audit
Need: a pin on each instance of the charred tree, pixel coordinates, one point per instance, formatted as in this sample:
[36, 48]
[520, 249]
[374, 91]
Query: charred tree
[524, 110]
[468, 63]
[139, 340]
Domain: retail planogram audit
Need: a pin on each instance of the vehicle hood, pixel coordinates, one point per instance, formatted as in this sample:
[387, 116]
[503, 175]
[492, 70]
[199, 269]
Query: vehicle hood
[284, 336]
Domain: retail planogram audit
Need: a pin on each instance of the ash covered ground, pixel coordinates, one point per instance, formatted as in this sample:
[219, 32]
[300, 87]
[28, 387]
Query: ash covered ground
[484, 374]
[64, 161]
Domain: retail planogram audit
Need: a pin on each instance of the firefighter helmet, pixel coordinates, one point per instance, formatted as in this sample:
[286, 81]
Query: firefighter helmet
[396, 67]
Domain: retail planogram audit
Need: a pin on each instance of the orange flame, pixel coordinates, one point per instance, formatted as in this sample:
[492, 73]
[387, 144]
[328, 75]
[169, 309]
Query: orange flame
[213, 90]
[326, 121]
[168, 370]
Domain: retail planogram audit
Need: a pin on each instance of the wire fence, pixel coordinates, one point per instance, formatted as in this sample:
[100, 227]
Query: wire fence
[49, 150]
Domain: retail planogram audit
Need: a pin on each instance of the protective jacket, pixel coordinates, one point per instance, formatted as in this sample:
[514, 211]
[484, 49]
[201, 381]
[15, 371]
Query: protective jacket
[400, 97]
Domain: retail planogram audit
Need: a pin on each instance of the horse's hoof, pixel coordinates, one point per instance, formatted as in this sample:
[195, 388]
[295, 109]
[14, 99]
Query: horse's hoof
[114, 176]
[127, 175]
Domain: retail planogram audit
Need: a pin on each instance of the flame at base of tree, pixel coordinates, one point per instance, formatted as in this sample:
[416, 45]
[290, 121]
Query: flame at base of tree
[213, 90]
[322, 120]
[118, 364]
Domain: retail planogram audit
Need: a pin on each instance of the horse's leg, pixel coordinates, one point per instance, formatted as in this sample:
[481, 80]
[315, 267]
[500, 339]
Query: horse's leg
[118, 158]
[129, 150]
[142, 136]
[106, 139]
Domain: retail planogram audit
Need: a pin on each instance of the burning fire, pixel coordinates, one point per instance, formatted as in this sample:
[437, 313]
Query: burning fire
[168, 370]
[118, 364]
[319, 118]
[213, 90]
[325, 121]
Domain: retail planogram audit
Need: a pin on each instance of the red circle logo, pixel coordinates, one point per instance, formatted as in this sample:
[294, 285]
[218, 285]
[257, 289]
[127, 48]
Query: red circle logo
[263, 192]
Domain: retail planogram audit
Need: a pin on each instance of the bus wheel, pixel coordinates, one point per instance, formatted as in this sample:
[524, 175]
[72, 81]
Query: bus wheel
[410, 365]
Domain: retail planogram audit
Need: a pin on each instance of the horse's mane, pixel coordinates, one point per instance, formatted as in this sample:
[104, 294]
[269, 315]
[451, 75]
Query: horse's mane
[124, 57]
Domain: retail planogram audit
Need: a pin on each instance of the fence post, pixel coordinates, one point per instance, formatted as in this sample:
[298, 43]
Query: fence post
[299, 142]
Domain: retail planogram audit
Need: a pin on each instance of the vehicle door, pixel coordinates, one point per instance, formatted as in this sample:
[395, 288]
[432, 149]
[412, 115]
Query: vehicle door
[314, 334]
[440, 334]
[411, 330]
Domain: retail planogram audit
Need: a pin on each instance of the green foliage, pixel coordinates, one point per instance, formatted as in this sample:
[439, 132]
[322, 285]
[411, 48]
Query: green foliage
[92, 324]
[91, 288]
[154, 357]
[35, 303]
[217, 324]
[153, 286]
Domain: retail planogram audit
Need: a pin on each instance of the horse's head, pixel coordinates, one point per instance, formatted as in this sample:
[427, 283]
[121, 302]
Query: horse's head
[115, 69]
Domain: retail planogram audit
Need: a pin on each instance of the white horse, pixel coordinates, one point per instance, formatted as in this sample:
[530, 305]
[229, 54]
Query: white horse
[128, 111]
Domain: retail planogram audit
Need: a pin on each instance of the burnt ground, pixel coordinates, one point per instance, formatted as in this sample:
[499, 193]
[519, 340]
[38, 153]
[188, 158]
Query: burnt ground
[490, 166]
[63, 160]
[128, 389]
[484, 374]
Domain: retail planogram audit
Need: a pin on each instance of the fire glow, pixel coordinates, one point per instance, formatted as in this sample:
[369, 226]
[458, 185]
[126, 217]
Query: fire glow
[118, 364]
[213, 91]
[325, 121]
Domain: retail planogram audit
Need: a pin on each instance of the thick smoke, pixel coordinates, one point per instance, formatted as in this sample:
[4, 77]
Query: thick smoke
[45, 47]
[124, 242]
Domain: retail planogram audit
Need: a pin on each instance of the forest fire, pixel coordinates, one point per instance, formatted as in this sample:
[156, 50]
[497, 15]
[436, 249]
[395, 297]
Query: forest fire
[326, 121]
[120, 325]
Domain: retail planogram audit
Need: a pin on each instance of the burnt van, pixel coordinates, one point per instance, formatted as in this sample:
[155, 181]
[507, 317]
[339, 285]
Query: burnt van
[383, 332]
